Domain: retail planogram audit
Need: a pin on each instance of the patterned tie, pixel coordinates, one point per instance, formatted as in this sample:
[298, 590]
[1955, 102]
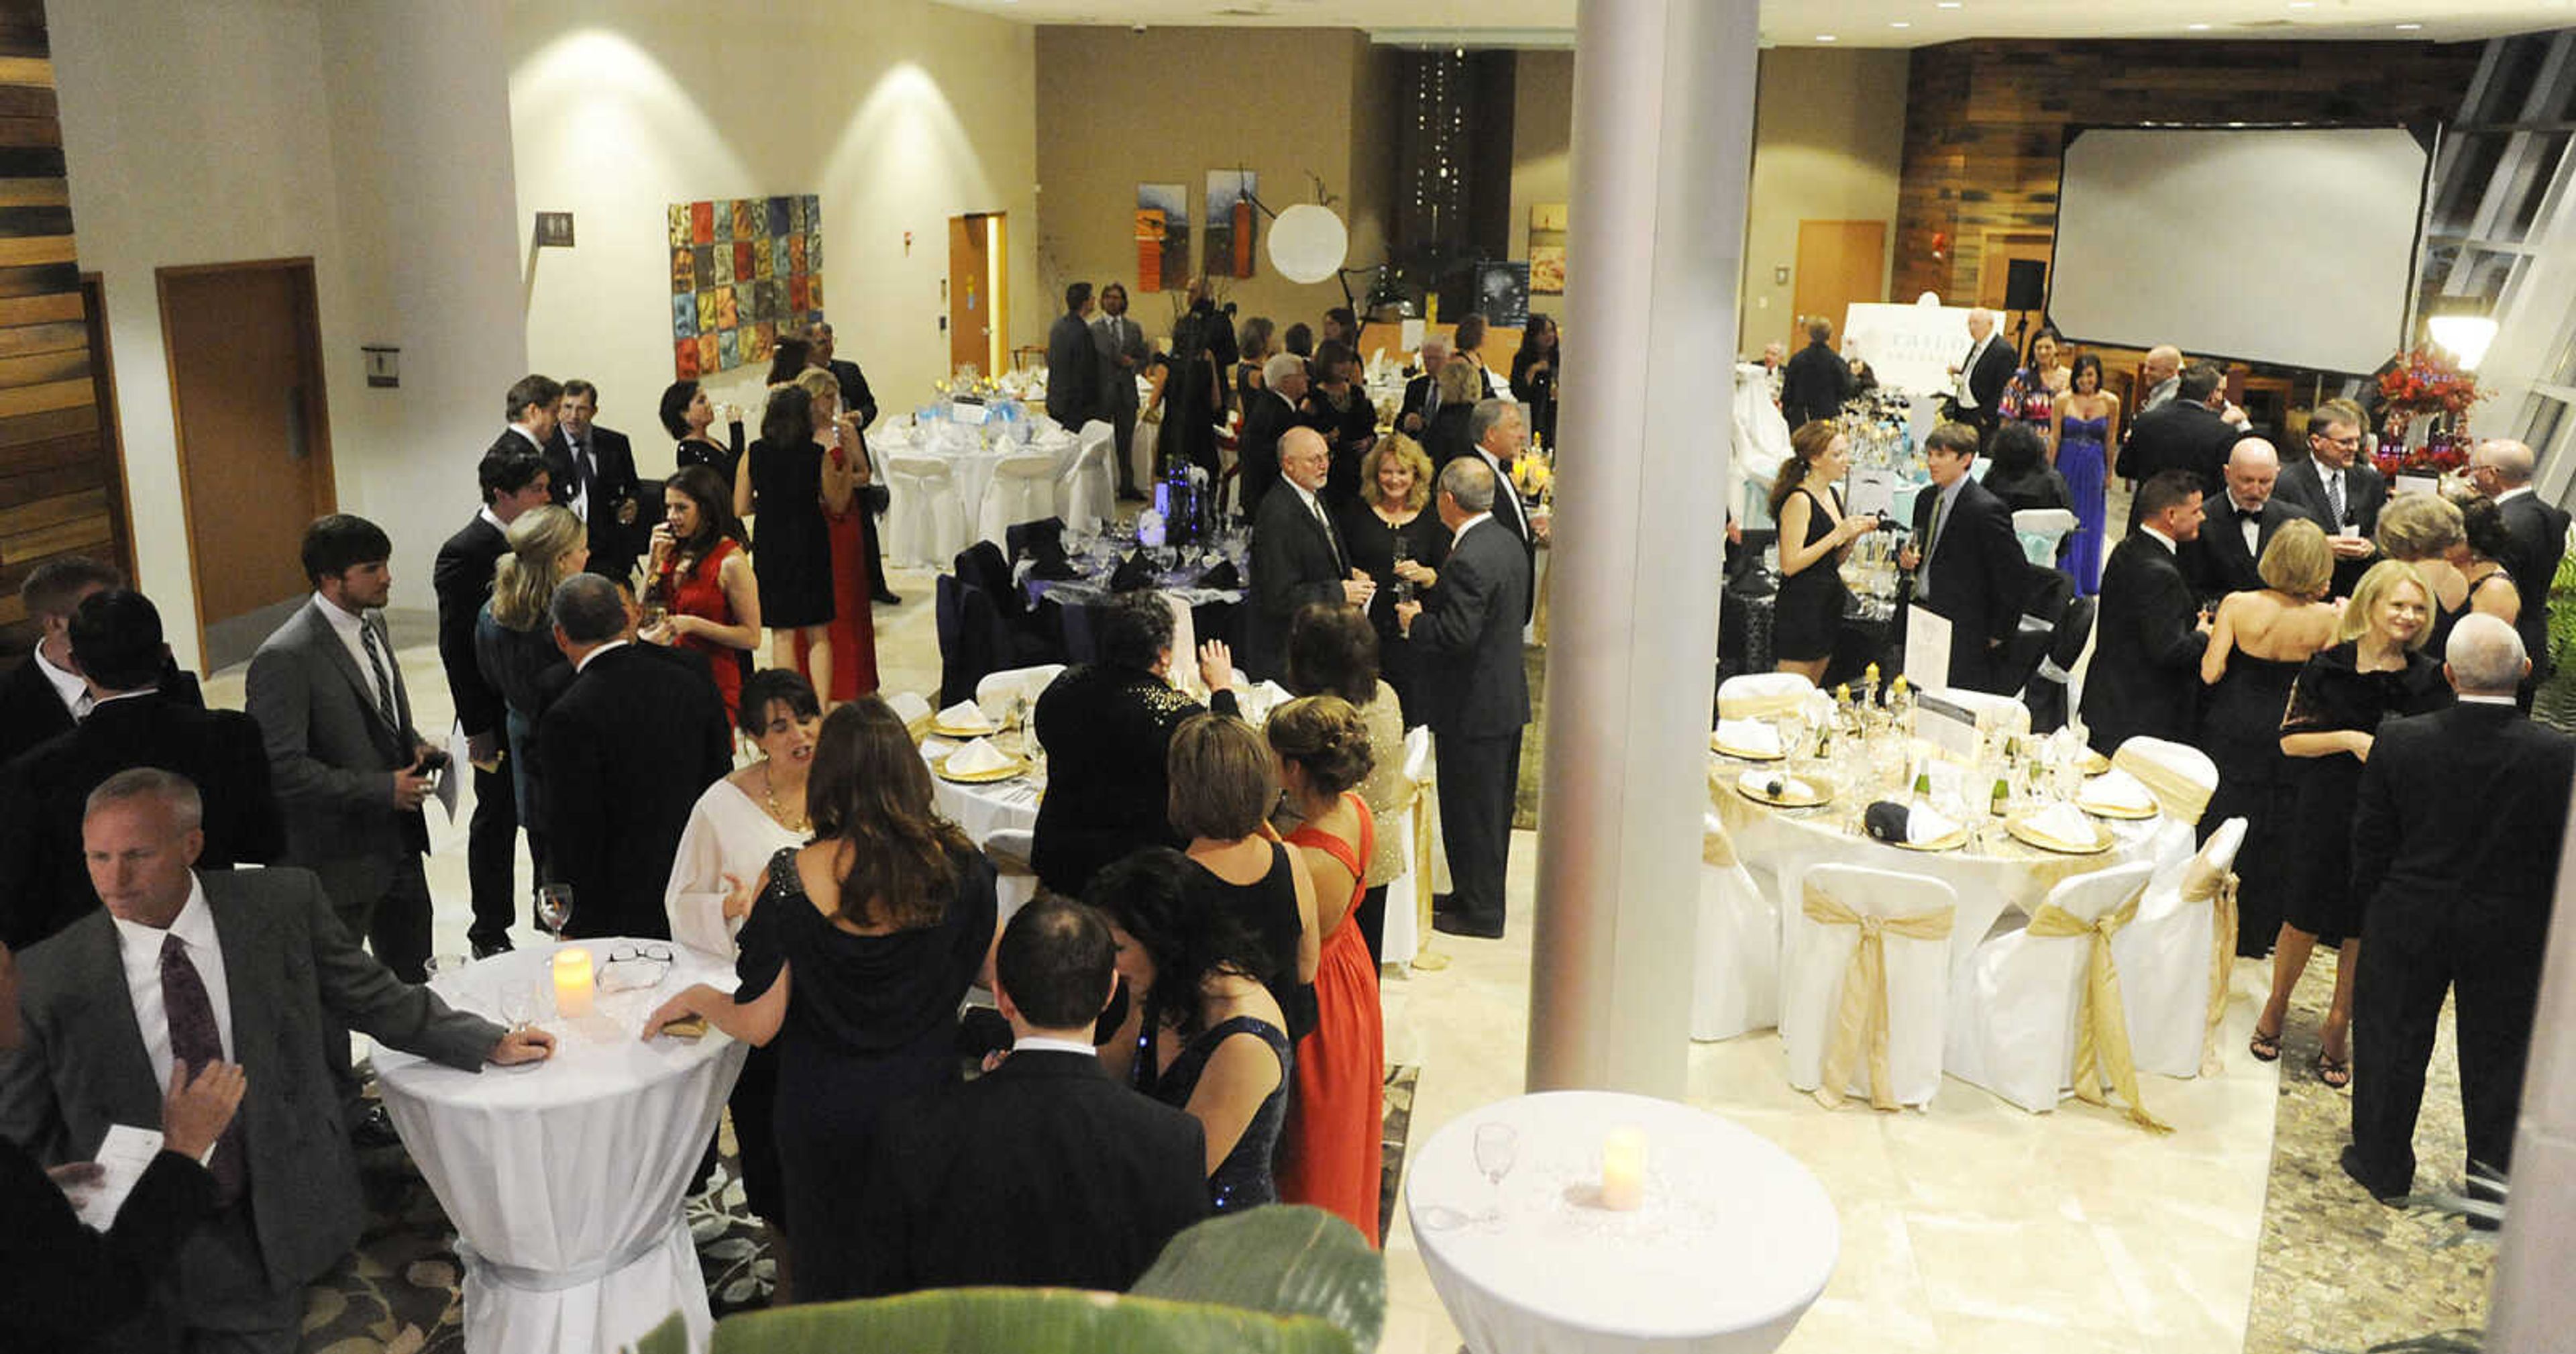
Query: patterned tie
[1332, 537]
[194, 1041]
[581, 474]
[384, 679]
[2334, 495]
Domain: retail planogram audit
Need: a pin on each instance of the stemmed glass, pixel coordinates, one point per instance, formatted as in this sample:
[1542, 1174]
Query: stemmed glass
[518, 1005]
[554, 908]
[1498, 1146]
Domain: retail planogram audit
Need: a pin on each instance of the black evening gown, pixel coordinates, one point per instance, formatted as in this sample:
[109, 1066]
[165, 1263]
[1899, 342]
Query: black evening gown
[1266, 908]
[791, 548]
[2240, 729]
[870, 1021]
[722, 458]
[1370, 542]
[1809, 613]
[1243, 1179]
[2332, 695]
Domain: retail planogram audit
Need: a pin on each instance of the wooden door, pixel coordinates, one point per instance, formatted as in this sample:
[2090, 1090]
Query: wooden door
[970, 300]
[1839, 262]
[245, 352]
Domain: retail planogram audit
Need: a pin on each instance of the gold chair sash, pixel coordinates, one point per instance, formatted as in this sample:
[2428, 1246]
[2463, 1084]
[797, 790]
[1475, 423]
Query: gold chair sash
[1761, 705]
[1715, 847]
[2178, 795]
[2218, 889]
[2101, 1021]
[1860, 1020]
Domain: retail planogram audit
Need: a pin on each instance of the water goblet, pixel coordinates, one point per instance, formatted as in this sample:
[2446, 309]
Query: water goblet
[1498, 1147]
[518, 1005]
[554, 908]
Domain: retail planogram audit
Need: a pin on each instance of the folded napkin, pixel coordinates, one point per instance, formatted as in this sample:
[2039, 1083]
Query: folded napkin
[1223, 577]
[1925, 824]
[1885, 821]
[1749, 735]
[965, 715]
[1773, 785]
[2118, 790]
[976, 758]
[1133, 573]
[909, 706]
[2062, 823]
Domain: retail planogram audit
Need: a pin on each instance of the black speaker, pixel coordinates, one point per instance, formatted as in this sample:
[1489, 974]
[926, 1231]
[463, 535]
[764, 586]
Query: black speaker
[2025, 285]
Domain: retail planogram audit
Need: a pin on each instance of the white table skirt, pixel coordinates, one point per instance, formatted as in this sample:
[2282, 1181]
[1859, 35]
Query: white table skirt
[565, 1180]
[982, 810]
[1734, 1242]
[973, 470]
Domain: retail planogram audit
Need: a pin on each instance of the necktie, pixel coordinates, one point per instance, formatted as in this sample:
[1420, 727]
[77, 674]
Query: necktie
[194, 1041]
[1325, 520]
[384, 678]
[1931, 542]
[2334, 495]
[581, 474]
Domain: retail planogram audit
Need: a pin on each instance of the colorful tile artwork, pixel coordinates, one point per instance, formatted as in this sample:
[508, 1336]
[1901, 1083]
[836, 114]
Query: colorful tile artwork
[743, 272]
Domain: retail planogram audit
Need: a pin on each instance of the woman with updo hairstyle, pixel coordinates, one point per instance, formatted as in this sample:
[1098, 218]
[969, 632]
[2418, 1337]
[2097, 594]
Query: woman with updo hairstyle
[1331, 651]
[514, 641]
[689, 416]
[1224, 781]
[1806, 501]
[1462, 386]
[2429, 532]
[2479, 558]
[1336, 1118]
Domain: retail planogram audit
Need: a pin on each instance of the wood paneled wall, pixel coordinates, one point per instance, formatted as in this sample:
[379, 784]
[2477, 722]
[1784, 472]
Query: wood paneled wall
[60, 486]
[1986, 119]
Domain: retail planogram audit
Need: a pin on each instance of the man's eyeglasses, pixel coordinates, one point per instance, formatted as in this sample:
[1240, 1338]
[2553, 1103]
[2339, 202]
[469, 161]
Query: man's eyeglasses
[634, 966]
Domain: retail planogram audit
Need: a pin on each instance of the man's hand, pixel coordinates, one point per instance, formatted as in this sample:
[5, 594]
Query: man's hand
[2205, 622]
[1417, 573]
[484, 750]
[527, 1044]
[414, 783]
[2351, 547]
[1216, 666]
[1412, 423]
[1540, 522]
[2232, 414]
[1906, 559]
[195, 1112]
[1358, 589]
[1404, 614]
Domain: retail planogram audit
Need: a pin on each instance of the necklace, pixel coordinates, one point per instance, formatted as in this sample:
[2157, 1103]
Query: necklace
[769, 792]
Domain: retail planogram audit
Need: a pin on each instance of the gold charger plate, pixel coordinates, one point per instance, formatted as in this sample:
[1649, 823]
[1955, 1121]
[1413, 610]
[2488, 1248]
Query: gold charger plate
[1949, 842]
[1820, 796]
[1018, 767]
[2094, 763]
[952, 731]
[2113, 810]
[2021, 830]
[1742, 755]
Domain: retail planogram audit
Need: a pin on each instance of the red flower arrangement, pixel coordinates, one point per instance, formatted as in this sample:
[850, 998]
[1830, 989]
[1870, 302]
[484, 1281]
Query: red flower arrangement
[2425, 382]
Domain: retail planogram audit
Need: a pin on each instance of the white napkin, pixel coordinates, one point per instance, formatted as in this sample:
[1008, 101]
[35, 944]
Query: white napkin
[977, 758]
[1749, 735]
[2064, 823]
[908, 706]
[965, 715]
[1758, 784]
[1923, 823]
[2117, 790]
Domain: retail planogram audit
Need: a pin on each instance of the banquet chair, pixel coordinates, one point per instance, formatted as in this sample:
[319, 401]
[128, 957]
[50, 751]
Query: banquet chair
[2054, 688]
[1408, 895]
[2177, 957]
[1086, 494]
[923, 521]
[1759, 695]
[1735, 984]
[2040, 530]
[2182, 778]
[2018, 1015]
[913, 708]
[1866, 949]
[997, 690]
[1023, 490]
[1015, 878]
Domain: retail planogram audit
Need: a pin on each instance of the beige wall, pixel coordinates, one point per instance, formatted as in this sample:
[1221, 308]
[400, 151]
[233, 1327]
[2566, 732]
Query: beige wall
[1117, 108]
[1828, 139]
[1542, 132]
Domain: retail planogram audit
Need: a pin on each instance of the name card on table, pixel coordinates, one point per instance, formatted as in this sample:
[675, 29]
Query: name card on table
[2416, 484]
[1927, 649]
[972, 415]
[1947, 726]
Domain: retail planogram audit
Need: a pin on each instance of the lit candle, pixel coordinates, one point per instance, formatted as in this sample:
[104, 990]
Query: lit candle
[1623, 1169]
[572, 983]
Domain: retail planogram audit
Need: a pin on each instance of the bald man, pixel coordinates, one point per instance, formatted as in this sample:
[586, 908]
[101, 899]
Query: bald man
[1298, 556]
[2160, 375]
[2240, 522]
[1982, 373]
[2501, 469]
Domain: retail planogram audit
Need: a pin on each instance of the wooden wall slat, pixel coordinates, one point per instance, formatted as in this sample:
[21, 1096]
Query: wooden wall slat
[52, 395]
[28, 249]
[20, 340]
[40, 309]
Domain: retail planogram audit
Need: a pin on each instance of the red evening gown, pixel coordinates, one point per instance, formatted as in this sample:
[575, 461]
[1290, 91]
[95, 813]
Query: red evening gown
[700, 592]
[1337, 1119]
[854, 626]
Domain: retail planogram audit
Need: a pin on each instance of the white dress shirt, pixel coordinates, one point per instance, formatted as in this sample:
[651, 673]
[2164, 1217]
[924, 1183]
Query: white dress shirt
[586, 658]
[2249, 521]
[2160, 538]
[2466, 699]
[1315, 509]
[1039, 1043]
[584, 466]
[2515, 492]
[349, 627]
[1466, 526]
[1504, 490]
[140, 948]
[1967, 368]
[68, 685]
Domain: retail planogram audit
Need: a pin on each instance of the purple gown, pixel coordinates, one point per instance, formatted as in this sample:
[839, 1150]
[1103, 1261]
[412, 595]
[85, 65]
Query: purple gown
[2080, 459]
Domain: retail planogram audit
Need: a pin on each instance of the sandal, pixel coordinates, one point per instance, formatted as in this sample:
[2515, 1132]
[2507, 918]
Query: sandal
[2334, 1072]
[2265, 1047]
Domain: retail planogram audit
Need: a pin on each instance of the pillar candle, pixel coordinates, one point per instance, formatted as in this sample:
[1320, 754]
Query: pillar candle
[572, 983]
[1623, 1169]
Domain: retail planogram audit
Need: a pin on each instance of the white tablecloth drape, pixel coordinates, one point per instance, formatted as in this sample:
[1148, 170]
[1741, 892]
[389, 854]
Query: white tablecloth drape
[971, 459]
[982, 810]
[1734, 1242]
[565, 1179]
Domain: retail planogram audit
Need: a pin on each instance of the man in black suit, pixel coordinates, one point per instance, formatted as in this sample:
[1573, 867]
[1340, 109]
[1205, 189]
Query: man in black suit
[1073, 365]
[2149, 633]
[1497, 433]
[2238, 525]
[1268, 414]
[860, 403]
[1968, 566]
[2193, 431]
[1422, 393]
[2339, 489]
[1297, 554]
[1123, 351]
[44, 696]
[1467, 634]
[1978, 381]
[2458, 892]
[2502, 469]
[116, 644]
[1044, 1172]
[592, 471]
[533, 407]
[627, 749]
[512, 481]
[1817, 381]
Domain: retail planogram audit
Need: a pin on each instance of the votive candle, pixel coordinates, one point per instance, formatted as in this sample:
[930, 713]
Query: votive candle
[573, 983]
[1623, 1169]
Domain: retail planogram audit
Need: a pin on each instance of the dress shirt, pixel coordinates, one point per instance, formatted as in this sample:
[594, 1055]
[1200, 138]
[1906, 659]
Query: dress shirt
[2250, 522]
[583, 468]
[1315, 509]
[140, 948]
[1039, 1043]
[2163, 393]
[2330, 480]
[1967, 398]
[349, 627]
[485, 512]
[2515, 492]
[1464, 527]
[1504, 490]
[1940, 524]
[585, 658]
[2161, 539]
[2466, 699]
[533, 444]
[71, 686]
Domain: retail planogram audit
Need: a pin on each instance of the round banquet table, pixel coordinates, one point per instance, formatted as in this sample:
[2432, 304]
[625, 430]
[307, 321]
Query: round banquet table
[973, 466]
[989, 807]
[565, 1179]
[1734, 1242]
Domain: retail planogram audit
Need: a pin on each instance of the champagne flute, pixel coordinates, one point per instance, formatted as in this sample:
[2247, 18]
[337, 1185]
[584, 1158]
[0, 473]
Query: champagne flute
[554, 908]
[1498, 1147]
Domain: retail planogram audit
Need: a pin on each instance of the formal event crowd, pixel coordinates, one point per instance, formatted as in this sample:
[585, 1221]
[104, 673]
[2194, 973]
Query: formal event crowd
[1191, 999]
[2357, 659]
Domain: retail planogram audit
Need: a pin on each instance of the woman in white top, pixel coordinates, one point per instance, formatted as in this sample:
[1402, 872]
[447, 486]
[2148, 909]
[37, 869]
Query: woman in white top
[738, 824]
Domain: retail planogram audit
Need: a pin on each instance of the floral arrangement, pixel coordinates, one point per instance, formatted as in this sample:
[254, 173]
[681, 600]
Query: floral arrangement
[2443, 455]
[2420, 384]
[1532, 476]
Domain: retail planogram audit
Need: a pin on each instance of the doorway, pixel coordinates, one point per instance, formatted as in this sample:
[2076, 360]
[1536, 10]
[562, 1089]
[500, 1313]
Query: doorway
[245, 349]
[979, 295]
[1839, 262]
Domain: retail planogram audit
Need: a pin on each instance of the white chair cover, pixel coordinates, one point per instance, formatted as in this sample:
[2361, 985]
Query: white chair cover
[2040, 529]
[924, 526]
[1023, 490]
[911, 707]
[2182, 777]
[1402, 937]
[1761, 442]
[1086, 494]
[2004, 712]
[1817, 968]
[1736, 986]
[994, 694]
[1015, 879]
[2182, 943]
[1757, 695]
[2012, 1018]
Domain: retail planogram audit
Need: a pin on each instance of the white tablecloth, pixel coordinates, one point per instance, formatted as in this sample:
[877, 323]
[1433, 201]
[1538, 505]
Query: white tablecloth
[565, 1180]
[1734, 1242]
[973, 468]
[983, 810]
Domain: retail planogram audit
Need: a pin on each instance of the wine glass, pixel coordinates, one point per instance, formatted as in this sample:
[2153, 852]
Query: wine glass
[554, 908]
[1498, 1146]
[518, 1005]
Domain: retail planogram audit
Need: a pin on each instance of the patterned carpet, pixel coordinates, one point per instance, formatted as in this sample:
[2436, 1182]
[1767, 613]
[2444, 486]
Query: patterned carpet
[398, 1292]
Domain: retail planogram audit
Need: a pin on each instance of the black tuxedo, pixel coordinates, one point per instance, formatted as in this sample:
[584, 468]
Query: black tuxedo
[618, 518]
[1044, 1172]
[1815, 383]
[2146, 648]
[1475, 694]
[2455, 846]
[462, 578]
[2218, 562]
[2179, 436]
[1073, 372]
[44, 881]
[1422, 399]
[31, 711]
[1267, 417]
[859, 402]
[1986, 382]
[2539, 537]
[627, 749]
[1975, 577]
[1295, 561]
[2365, 492]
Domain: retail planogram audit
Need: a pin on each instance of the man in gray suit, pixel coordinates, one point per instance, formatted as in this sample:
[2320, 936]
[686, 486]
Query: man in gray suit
[249, 968]
[1123, 353]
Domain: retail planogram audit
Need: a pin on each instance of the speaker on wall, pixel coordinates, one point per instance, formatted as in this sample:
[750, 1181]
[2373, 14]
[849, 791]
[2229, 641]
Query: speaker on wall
[2025, 285]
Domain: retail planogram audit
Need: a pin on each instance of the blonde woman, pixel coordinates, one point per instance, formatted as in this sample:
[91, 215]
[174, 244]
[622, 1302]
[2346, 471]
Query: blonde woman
[853, 665]
[1394, 537]
[514, 638]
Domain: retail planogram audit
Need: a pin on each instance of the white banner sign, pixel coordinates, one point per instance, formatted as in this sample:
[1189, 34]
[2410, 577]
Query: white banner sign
[1911, 348]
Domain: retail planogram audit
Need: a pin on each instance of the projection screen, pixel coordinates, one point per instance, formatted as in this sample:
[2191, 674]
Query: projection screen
[2293, 246]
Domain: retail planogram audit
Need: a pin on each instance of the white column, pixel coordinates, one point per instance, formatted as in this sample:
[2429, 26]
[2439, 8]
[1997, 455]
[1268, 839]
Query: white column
[1662, 155]
[2533, 1306]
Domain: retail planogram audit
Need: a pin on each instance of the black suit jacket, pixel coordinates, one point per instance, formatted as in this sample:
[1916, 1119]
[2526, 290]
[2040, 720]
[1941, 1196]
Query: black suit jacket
[2179, 436]
[1986, 381]
[1977, 578]
[44, 880]
[1816, 381]
[1294, 562]
[1468, 638]
[2483, 851]
[2146, 648]
[618, 521]
[2217, 563]
[462, 578]
[1044, 1172]
[1073, 371]
[31, 711]
[627, 750]
[2365, 492]
[68, 1285]
[859, 402]
[1421, 396]
[2539, 537]
[1266, 418]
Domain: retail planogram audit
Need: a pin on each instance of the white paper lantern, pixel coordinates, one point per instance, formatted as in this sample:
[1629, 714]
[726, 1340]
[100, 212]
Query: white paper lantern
[1307, 243]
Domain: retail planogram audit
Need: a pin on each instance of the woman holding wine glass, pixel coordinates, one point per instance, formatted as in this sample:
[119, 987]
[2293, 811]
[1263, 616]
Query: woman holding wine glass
[689, 416]
[698, 579]
[853, 629]
[788, 482]
[514, 642]
[1392, 535]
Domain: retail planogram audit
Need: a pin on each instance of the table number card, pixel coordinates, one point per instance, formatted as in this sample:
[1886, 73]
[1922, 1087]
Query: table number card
[1927, 648]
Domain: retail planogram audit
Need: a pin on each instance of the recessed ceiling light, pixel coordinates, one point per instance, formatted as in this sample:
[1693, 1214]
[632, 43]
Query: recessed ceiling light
[1947, 4]
[1898, 23]
[1824, 37]
[2408, 28]
[2197, 28]
[2303, 4]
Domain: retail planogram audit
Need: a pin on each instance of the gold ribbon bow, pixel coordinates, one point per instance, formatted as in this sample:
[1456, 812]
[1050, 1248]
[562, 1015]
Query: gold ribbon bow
[2101, 1021]
[2218, 889]
[1761, 704]
[2178, 795]
[1861, 1019]
[1715, 847]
